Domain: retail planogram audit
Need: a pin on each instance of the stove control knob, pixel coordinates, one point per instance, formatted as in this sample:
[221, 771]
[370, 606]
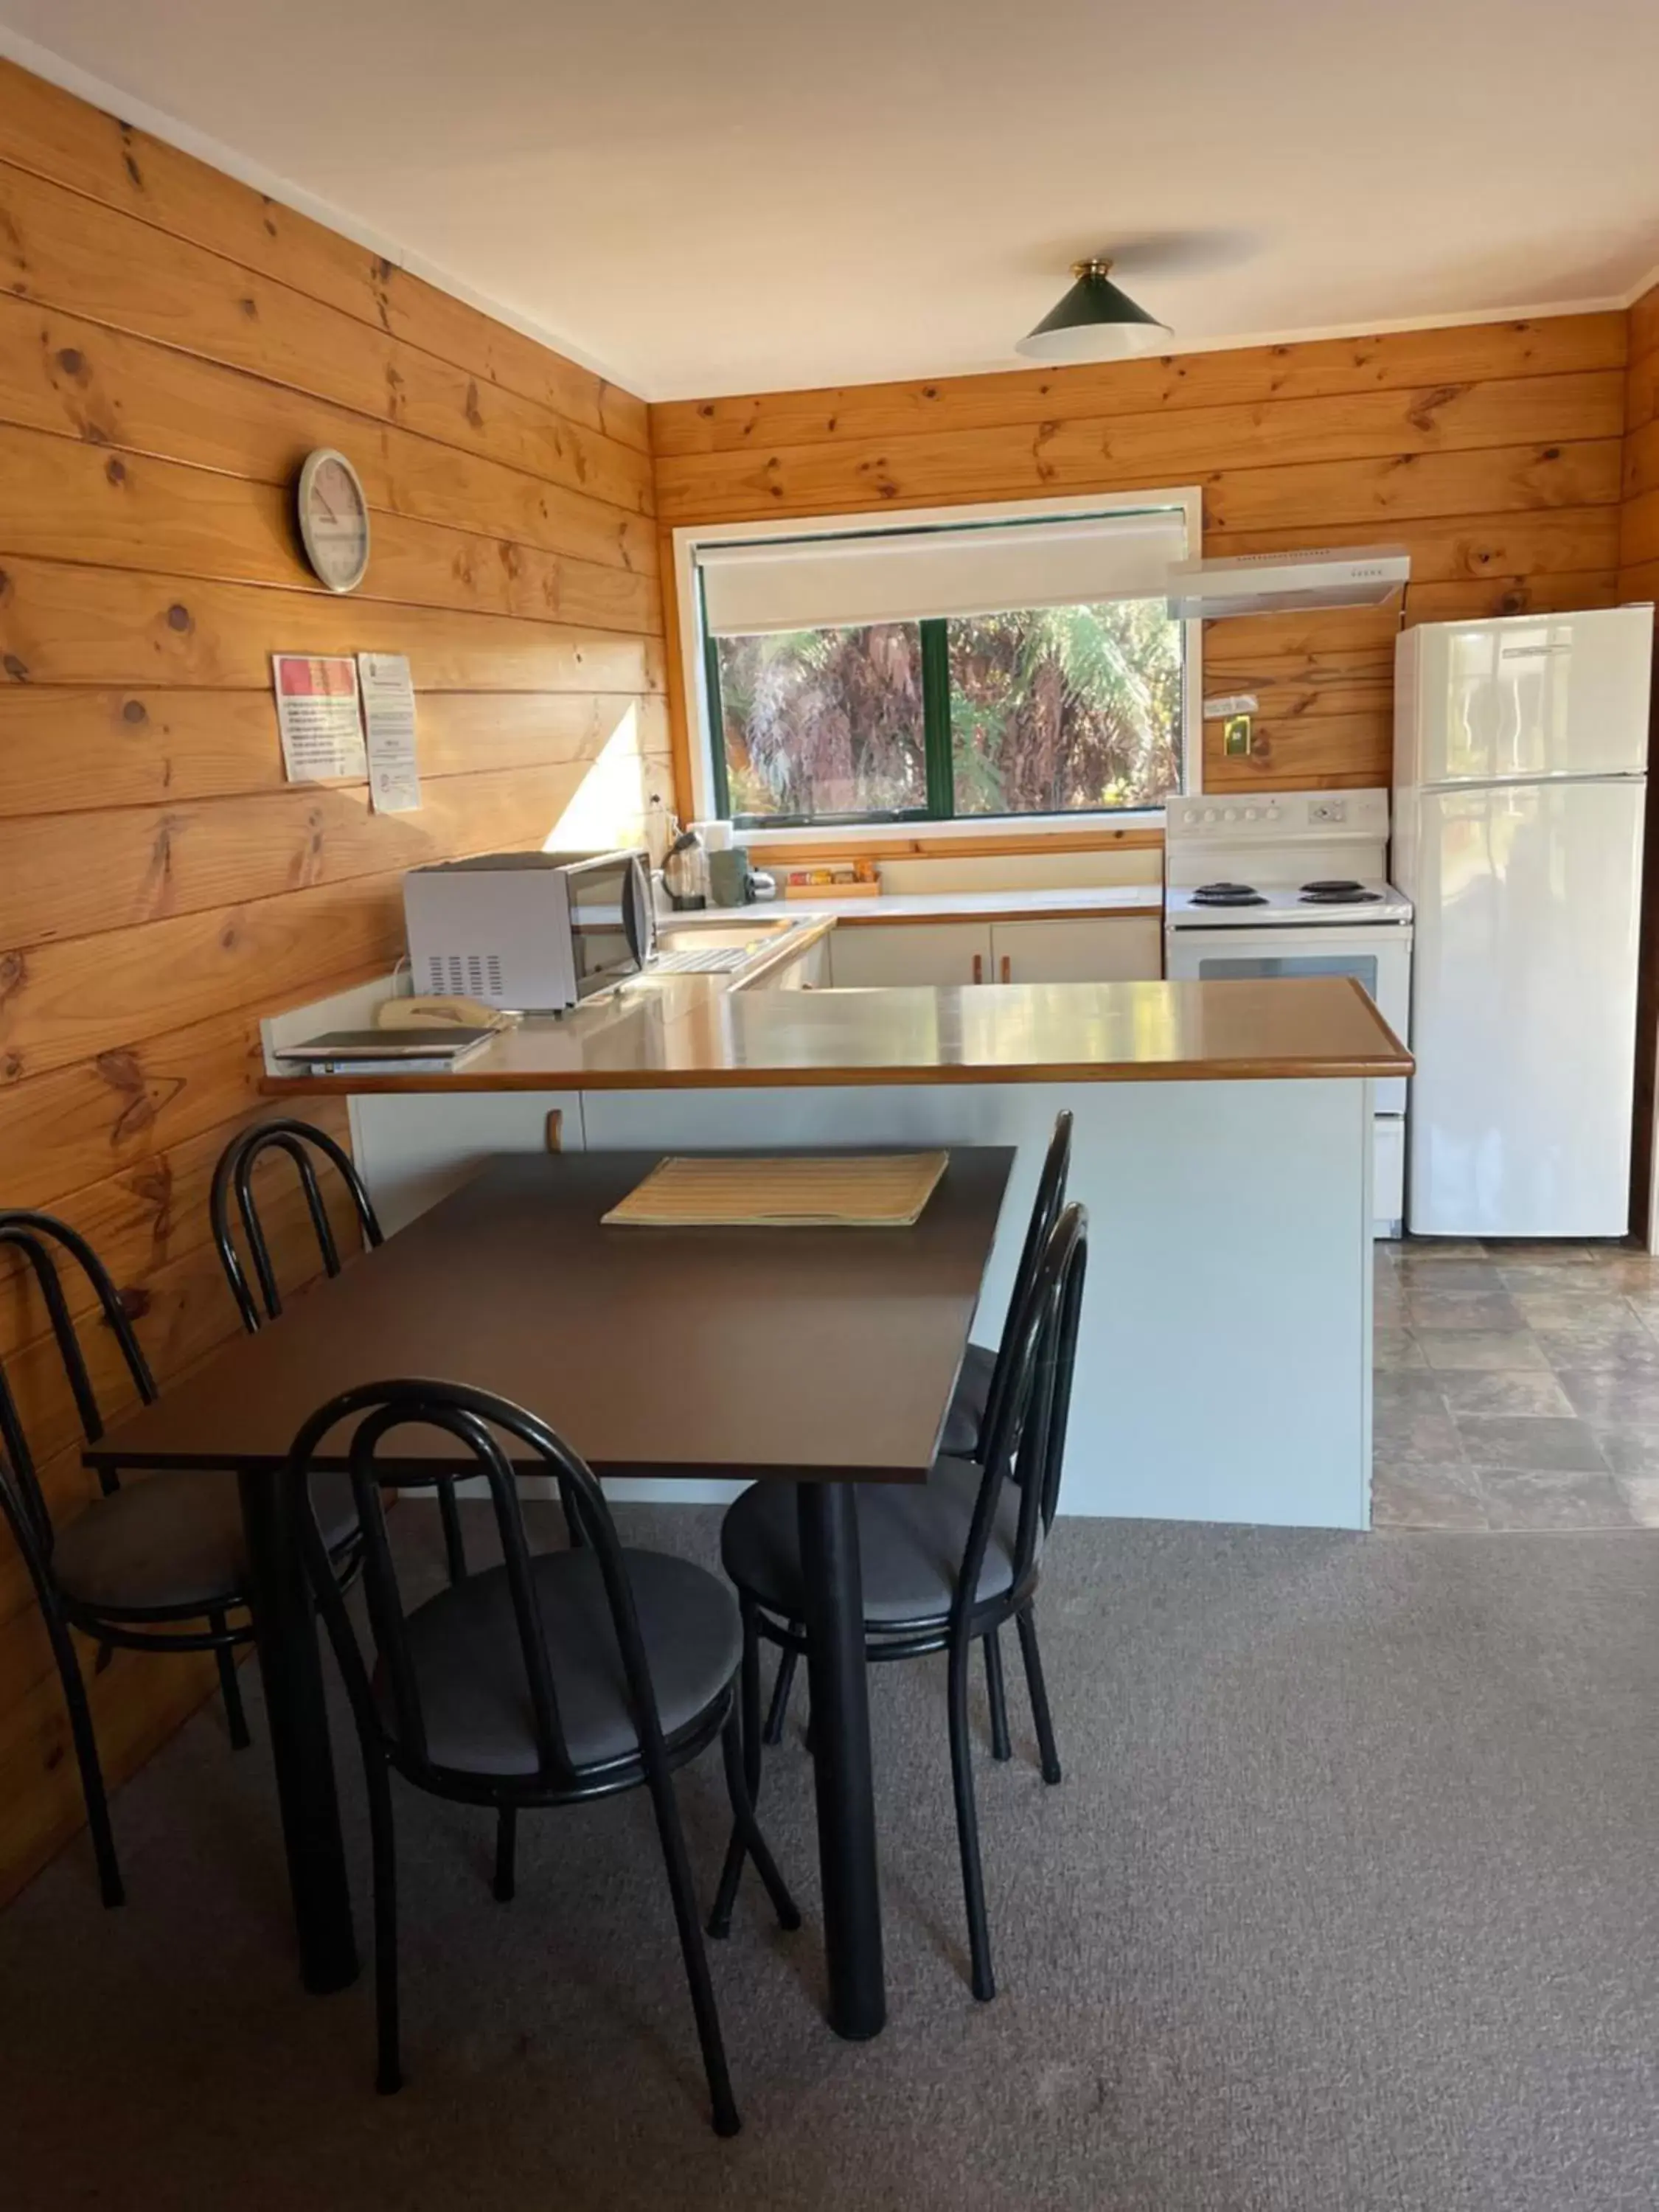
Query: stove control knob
[1229, 814]
[1272, 814]
[1250, 814]
[1209, 814]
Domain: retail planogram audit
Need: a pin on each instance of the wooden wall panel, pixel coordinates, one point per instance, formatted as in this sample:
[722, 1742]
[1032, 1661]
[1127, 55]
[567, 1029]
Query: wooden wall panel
[65, 750]
[61, 623]
[60, 137]
[171, 346]
[61, 250]
[1494, 452]
[1638, 552]
[1638, 579]
[62, 373]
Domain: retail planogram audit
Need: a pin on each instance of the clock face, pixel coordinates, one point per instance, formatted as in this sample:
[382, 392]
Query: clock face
[334, 520]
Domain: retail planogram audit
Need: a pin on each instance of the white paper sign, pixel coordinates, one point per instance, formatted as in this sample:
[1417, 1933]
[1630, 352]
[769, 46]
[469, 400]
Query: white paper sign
[394, 778]
[318, 714]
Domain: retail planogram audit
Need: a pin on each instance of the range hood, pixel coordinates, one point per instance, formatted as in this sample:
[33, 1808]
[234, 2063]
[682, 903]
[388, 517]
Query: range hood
[1287, 583]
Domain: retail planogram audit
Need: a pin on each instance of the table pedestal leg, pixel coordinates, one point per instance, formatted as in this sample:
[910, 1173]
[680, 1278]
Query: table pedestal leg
[840, 1753]
[285, 1629]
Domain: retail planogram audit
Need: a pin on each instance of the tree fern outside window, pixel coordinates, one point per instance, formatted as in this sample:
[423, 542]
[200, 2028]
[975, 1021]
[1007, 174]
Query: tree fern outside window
[1065, 709]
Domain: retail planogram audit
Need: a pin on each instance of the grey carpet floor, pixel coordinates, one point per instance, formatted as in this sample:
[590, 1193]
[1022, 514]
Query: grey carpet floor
[1349, 1902]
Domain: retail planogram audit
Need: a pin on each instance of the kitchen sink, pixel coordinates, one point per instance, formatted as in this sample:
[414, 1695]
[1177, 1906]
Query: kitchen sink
[699, 933]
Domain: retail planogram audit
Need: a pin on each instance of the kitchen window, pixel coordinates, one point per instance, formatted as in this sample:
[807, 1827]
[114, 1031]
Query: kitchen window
[947, 669]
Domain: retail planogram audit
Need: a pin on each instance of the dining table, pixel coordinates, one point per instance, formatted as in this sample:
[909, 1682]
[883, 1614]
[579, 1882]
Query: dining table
[821, 1356]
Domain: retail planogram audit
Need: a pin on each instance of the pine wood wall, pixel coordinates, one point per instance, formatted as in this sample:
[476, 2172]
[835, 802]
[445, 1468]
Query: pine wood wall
[171, 345]
[1493, 452]
[1638, 579]
[1638, 544]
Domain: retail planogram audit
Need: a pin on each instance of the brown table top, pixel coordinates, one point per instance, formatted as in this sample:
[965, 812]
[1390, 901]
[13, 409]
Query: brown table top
[686, 1353]
[692, 1033]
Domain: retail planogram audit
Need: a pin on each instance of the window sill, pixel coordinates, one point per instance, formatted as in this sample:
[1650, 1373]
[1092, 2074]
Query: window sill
[1140, 825]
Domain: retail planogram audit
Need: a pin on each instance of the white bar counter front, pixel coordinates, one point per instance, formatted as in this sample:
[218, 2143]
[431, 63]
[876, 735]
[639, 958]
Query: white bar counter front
[1222, 1145]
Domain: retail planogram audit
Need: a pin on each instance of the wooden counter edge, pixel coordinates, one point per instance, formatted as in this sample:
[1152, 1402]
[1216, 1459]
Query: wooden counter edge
[1267, 1070]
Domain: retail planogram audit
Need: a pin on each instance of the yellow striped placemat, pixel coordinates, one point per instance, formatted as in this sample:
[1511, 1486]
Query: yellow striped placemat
[882, 1190]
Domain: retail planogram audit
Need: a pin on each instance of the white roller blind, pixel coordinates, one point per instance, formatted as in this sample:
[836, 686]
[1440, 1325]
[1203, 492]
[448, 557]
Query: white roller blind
[898, 576]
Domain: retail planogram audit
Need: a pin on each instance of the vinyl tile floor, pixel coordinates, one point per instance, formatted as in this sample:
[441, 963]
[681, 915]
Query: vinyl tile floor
[1516, 1388]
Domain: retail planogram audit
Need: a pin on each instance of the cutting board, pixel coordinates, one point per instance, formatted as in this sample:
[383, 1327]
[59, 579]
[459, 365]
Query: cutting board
[884, 1190]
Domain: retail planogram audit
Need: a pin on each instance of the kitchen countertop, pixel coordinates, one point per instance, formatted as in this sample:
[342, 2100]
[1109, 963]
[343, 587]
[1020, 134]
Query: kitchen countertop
[692, 1032]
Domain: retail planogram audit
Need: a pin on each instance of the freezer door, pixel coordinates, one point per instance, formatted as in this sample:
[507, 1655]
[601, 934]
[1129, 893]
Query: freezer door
[1529, 696]
[1523, 1010]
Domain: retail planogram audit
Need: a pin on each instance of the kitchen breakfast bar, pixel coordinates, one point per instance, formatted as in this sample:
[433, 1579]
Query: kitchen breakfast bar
[1222, 1146]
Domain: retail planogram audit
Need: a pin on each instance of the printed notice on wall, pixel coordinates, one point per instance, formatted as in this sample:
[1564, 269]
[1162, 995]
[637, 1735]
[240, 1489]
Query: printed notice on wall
[394, 775]
[317, 713]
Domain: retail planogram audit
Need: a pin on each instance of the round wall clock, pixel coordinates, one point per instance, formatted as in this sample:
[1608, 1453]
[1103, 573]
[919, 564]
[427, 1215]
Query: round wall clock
[333, 519]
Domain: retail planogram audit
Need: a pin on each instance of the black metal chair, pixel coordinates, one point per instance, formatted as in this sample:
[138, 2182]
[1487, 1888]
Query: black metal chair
[946, 1563]
[983, 1378]
[233, 1177]
[552, 1680]
[983, 1371]
[146, 1558]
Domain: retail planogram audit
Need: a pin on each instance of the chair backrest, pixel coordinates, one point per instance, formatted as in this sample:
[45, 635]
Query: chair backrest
[44, 1242]
[1026, 1444]
[1045, 1213]
[477, 1422]
[234, 1176]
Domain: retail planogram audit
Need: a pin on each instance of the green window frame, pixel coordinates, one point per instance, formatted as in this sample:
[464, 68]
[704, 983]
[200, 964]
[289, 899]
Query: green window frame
[935, 738]
[938, 754]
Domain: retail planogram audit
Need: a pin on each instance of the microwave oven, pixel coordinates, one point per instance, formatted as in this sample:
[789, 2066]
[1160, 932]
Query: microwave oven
[536, 931]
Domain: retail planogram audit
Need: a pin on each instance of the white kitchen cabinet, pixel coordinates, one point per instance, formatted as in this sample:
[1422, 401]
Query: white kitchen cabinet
[803, 971]
[1126, 948]
[871, 955]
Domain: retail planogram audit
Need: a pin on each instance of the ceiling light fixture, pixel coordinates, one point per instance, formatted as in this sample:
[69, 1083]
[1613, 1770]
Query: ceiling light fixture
[1094, 322]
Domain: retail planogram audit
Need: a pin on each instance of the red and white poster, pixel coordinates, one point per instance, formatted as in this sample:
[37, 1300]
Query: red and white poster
[321, 716]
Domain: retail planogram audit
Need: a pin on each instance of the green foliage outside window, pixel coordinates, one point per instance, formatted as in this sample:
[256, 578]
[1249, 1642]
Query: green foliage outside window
[1048, 710]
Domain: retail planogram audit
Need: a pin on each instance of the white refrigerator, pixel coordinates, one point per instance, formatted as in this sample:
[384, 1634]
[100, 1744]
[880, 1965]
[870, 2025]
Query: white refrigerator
[1520, 784]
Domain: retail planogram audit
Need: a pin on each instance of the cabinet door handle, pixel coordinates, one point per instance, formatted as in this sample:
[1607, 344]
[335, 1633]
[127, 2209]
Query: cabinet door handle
[978, 967]
[1007, 968]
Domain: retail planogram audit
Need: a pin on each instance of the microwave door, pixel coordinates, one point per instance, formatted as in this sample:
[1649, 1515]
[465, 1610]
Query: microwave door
[604, 928]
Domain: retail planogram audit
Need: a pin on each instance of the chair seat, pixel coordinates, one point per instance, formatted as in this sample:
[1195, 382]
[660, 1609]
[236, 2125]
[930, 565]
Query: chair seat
[171, 1544]
[966, 1418]
[469, 1668]
[911, 1537]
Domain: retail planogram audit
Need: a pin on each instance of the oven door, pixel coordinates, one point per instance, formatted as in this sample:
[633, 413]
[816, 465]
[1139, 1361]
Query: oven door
[612, 929]
[1379, 957]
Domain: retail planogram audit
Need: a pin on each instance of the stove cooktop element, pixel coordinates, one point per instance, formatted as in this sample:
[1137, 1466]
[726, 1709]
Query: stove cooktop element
[1373, 904]
[1227, 895]
[1338, 891]
[1313, 860]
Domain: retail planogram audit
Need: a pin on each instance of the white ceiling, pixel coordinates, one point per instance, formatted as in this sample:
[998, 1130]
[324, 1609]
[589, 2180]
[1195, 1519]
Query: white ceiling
[707, 196]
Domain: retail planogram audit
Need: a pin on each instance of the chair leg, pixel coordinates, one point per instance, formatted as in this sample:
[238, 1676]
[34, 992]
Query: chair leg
[1038, 1689]
[388, 2071]
[454, 1551]
[507, 1853]
[961, 1777]
[230, 1688]
[726, 1897]
[778, 1711]
[754, 1842]
[680, 1889]
[996, 1690]
[86, 1757]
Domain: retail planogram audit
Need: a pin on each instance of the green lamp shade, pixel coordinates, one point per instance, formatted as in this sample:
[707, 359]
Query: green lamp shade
[1094, 322]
